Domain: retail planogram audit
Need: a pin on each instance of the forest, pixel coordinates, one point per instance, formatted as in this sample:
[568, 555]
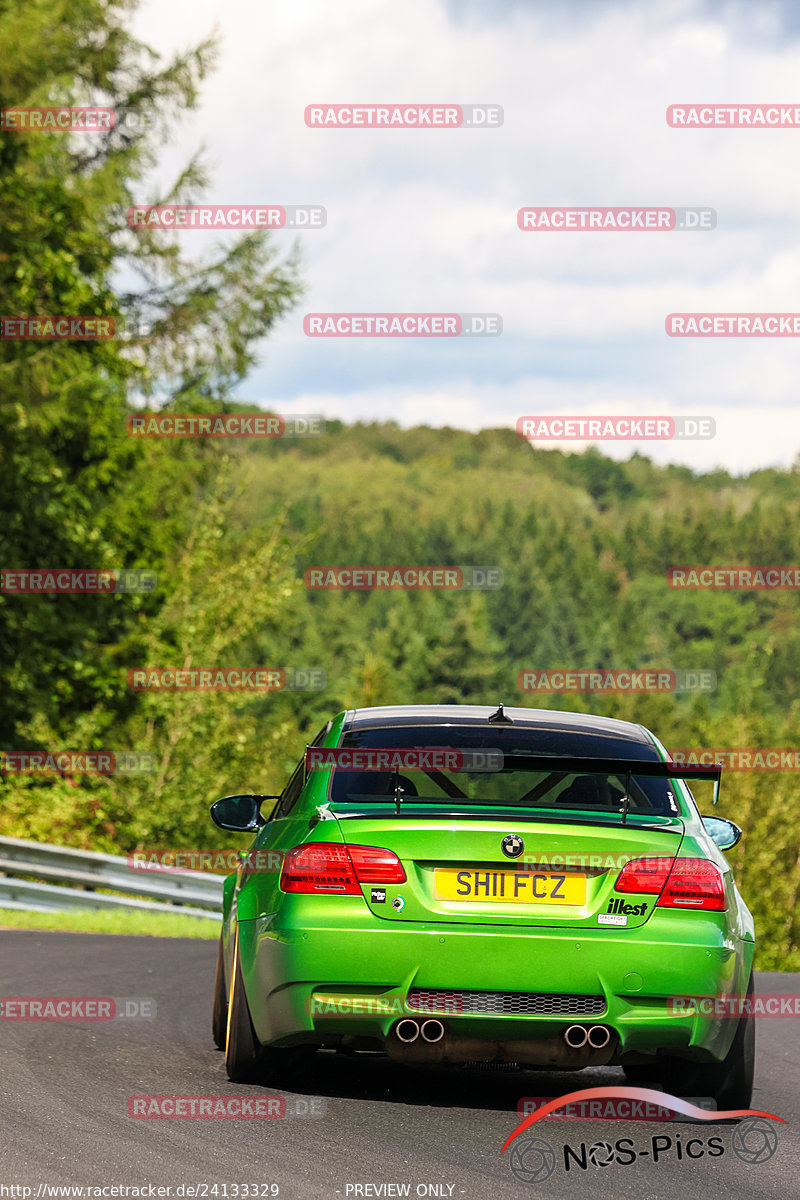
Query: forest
[229, 527]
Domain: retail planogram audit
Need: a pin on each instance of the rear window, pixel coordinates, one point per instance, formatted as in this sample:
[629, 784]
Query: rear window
[518, 784]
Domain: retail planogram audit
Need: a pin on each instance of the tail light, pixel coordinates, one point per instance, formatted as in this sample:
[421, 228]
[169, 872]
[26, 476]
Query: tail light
[373, 865]
[646, 876]
[333, 869]
[678, 883]
[694, 883]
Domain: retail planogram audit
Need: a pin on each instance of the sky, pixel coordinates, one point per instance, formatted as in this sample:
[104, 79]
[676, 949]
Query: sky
[425, 220]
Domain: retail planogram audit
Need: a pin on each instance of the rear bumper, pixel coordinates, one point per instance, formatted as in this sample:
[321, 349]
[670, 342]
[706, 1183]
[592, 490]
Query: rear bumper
[313, 979]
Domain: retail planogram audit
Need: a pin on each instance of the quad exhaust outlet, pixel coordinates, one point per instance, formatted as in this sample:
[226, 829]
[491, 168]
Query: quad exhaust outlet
[432, 1031]
[596, 1036]
[429, 1040]
[407, 1030]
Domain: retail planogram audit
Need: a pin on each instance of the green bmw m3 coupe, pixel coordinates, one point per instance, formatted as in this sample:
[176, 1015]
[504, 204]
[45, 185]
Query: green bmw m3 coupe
[467, 884]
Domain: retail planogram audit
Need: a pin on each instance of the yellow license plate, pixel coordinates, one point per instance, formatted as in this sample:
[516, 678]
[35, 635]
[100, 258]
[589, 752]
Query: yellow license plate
[509, 887]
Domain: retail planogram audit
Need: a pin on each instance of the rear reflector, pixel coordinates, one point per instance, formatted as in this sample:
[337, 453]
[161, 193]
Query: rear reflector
[333, 869]
[678, 883]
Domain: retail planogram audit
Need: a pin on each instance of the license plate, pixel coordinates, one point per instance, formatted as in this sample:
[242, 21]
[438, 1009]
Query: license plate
[509, 887]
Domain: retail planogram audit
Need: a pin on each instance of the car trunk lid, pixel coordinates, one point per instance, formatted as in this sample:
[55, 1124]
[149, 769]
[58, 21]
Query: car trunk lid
[512, 871]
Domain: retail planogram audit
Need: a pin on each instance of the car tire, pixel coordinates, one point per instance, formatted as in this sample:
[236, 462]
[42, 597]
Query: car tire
[243, 1051]
[246, 1059]
[729, 1082]
[219, 1014]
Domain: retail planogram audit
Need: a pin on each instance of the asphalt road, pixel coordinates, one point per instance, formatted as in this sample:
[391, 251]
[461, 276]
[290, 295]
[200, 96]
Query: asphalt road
[64, 1089]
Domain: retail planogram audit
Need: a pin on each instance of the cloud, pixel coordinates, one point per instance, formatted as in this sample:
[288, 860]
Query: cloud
[426, 220]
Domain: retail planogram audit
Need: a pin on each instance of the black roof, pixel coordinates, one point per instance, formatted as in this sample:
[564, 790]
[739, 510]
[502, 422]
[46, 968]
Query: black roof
[478, 714]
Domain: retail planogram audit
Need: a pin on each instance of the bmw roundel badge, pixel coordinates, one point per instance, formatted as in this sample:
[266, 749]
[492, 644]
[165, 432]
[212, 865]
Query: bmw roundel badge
[512, 845]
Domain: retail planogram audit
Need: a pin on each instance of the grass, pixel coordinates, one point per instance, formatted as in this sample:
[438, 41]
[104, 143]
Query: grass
[142, 924]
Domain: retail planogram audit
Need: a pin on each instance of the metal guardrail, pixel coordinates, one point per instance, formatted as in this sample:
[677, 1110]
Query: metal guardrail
[193, 893]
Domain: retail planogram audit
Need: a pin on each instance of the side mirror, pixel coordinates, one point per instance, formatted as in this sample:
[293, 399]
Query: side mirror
[722, 832]
[242, 814]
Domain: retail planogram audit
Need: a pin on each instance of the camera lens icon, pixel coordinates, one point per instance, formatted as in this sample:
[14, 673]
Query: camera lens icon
[532, 1160]
[754, 1140]
[601, 1154]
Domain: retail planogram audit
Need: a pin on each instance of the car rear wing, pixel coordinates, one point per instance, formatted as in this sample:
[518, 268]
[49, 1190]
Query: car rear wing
[629, 767]
[646, 768]
[558, 764]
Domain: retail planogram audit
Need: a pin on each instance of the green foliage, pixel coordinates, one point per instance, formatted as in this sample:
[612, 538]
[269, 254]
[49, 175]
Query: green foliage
[584, 542]
[117, 921]
[74, 493]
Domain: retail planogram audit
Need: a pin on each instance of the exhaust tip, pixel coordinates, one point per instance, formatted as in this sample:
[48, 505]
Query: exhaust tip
[407, 1030]
[576, 1036]
[599, 1036]
[432, 1031]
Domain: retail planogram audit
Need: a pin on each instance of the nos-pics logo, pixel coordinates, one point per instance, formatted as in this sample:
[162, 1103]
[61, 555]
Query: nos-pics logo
[533, 1159]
